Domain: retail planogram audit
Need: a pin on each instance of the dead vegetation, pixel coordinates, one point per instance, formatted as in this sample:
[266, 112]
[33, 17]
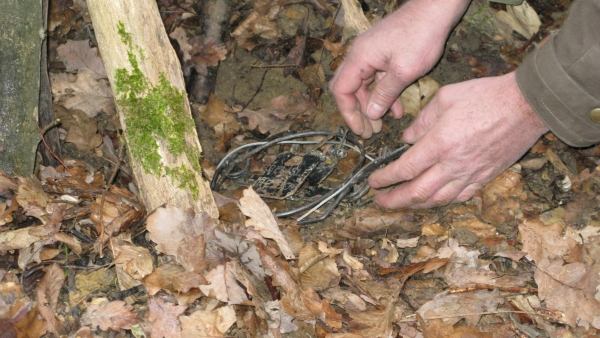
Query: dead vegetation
[82, 257]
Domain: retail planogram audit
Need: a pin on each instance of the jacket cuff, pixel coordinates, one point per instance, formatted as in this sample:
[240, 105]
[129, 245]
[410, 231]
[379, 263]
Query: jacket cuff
[557, 98]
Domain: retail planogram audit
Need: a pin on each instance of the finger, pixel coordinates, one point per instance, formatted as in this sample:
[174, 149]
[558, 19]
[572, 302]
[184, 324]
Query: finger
[355, 121]
[415, 161]
[344, 86]
[376, 125]
[416, 192]
[384, 94]
[468, 192]
[423, 123]
[444, 196]
[397, 108]
[368, 131]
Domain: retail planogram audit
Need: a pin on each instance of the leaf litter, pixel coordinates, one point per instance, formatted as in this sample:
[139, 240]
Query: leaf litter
[79, 259]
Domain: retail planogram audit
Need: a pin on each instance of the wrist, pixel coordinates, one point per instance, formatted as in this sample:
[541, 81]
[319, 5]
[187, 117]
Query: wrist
[446, 13]
[529, 115]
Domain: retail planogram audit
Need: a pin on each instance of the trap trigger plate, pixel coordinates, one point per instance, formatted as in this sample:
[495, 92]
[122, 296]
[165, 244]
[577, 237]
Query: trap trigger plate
[286, 174]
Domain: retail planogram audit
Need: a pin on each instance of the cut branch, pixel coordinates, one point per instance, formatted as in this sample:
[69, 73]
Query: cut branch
[153, 108]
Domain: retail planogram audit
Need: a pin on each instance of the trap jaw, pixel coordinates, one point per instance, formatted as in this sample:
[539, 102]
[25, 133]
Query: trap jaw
[299, 173]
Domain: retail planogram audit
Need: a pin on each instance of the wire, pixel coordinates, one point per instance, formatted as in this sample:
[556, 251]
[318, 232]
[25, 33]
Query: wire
[339, 138]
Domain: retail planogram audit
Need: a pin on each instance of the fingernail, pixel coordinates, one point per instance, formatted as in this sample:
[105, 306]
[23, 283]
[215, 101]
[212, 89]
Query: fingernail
[375, 111]
[373, 184]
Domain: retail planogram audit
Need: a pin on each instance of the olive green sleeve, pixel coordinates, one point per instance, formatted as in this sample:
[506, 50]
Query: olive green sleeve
[561, 80]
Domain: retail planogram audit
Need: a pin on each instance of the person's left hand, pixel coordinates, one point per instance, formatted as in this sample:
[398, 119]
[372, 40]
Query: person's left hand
[466, 136]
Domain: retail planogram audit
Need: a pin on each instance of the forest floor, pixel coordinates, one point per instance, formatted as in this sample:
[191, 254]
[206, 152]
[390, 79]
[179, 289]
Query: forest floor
[80, 255]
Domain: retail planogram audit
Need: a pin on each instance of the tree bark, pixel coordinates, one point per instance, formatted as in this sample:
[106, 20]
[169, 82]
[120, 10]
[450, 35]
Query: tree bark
[21, 34]
[153, 108]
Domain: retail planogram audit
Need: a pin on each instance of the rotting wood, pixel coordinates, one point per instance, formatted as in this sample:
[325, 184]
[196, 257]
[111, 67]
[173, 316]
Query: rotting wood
[153, 108]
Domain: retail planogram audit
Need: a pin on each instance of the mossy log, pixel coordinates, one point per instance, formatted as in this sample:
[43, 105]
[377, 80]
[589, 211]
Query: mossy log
[153, 108]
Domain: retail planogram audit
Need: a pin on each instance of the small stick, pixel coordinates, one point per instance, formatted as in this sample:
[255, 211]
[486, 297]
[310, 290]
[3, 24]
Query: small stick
[50, 126]
[117, 166]
[42, 132]
[262, 80]
[274, 66]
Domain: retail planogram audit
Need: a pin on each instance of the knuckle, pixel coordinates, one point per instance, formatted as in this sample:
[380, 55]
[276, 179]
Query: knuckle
[441, 200]
[401, 71]
[418, 195]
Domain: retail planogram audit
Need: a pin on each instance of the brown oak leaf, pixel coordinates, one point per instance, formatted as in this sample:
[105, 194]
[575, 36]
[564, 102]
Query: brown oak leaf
[165, 315]
[78, 55]
[115, 315]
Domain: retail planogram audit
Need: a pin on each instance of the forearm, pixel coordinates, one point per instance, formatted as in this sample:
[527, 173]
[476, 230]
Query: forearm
[561, 80]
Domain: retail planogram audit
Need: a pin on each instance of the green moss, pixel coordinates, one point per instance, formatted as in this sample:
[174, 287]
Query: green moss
[155, 112]
[481, 17]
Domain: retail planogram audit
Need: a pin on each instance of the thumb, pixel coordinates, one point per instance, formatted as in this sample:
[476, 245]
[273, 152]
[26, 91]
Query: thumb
[384, 95]
[424, 121]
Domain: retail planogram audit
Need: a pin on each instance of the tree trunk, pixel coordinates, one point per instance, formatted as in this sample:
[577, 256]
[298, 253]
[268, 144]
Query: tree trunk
[152, 104]
[21, 34]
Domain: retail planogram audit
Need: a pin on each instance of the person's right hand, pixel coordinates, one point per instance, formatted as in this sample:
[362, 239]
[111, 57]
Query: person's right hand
[394, 53]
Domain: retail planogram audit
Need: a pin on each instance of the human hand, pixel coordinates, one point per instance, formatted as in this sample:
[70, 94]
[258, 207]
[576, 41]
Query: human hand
[466, 136]
[394, 53]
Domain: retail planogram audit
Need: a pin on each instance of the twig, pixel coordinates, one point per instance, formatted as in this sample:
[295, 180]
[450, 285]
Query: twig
[474, 314]
[274, 66]
[42, 132]
[262, 80]
[117, 166]
[50, 126]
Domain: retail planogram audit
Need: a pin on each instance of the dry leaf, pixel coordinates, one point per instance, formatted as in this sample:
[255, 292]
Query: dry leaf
[433, 229]
[260, 22]
[278, 319]
[355, 21]
[82, 130]
[223, 285]
[49, 286]
[502, 197]
[344, 298]
[465, 269]
[23, 238]
[115, 315]
[173, 278]
[318, 271]
[544, 242]
[408, 242]
[164, 316]
[6, 183]
[78, 55]
[262, 219]
[392, 255]
[416, 96]
[455, 307]
[245, 250]
[371, 221]
[570, 288]
[136, 261]
[281, 115]
[83, 92]
[215, 114]
[301, 304]
[522, 19]
[375, 323]
[213, 323]
[181, 234]
[72, 242]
